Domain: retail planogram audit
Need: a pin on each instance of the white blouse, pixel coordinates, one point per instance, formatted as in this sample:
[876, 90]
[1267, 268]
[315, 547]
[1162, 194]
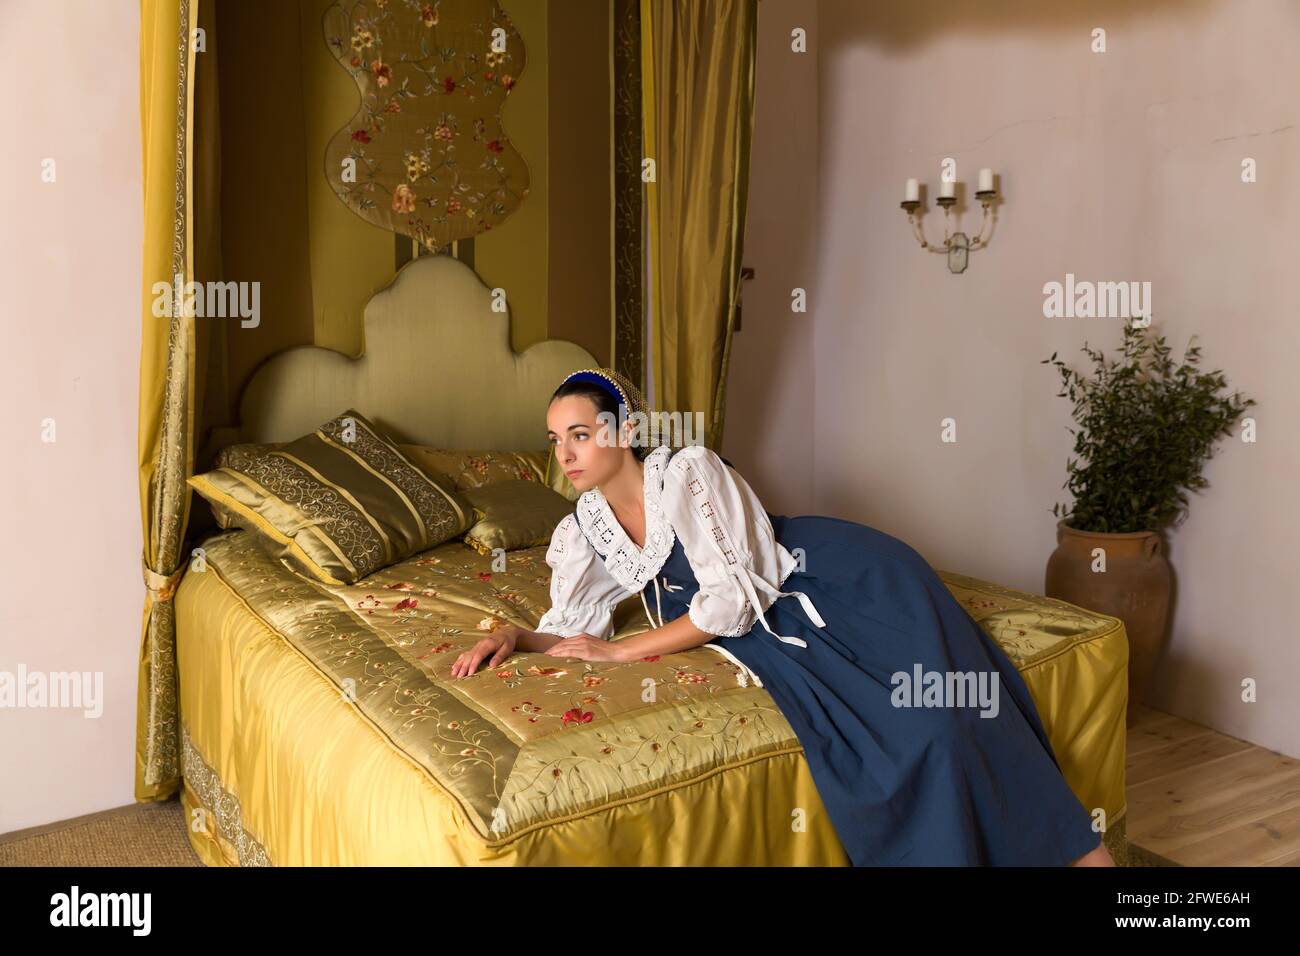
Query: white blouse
[583, 592]
[729, 541]
[725, 533]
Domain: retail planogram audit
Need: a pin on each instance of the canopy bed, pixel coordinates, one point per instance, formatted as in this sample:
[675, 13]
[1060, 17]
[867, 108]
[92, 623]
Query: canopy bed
[320, 724]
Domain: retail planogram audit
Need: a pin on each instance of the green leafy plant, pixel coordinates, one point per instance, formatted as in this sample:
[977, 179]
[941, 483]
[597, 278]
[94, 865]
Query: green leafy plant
[1145, 430]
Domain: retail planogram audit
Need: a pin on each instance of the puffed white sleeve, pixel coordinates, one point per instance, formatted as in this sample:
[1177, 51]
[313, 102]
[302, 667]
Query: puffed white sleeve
[583, 592]
[729, 541]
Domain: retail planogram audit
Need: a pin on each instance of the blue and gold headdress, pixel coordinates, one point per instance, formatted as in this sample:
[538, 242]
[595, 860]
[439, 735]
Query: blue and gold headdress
[611, 381]
[627, 395]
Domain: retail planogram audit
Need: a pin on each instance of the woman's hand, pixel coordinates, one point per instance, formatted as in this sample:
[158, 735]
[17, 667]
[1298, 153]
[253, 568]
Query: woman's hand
[584, 647]
[496, 647]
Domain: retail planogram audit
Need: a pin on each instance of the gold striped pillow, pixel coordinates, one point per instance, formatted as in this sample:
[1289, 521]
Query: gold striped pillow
[515, 514]
[340, 503]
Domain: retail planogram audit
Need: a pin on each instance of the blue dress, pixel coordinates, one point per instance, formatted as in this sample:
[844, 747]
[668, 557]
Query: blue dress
[902, 785]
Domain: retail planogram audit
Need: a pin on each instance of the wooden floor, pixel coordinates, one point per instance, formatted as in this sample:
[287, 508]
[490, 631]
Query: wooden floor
[1202, 798]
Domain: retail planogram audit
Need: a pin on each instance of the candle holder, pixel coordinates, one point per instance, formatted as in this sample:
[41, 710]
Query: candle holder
[957, 245]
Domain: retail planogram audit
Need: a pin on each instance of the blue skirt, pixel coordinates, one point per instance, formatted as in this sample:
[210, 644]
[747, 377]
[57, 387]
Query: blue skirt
[911, 772]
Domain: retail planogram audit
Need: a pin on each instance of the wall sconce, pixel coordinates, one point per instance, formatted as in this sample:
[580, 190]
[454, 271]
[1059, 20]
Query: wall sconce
[958, 245]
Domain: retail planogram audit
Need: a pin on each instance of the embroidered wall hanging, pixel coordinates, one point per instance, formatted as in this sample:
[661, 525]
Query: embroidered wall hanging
[426, 154]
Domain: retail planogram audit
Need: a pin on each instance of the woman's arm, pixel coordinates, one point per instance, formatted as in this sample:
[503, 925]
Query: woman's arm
[533, 641]
[528, 640]
[678, 635]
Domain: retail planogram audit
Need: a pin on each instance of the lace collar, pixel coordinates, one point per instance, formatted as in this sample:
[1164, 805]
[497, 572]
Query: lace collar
[630, 566]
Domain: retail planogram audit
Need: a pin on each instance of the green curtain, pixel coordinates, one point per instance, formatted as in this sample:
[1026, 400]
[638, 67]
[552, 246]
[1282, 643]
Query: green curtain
[697, 69]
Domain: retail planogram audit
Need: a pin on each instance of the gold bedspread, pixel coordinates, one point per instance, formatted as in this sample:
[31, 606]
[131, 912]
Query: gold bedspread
[320, 725]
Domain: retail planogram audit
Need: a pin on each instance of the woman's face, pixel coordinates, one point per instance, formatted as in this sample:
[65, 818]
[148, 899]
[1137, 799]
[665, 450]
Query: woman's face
[583, 447]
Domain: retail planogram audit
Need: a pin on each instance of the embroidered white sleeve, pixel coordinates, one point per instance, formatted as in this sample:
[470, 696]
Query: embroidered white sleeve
[583, 594]
[726, 534]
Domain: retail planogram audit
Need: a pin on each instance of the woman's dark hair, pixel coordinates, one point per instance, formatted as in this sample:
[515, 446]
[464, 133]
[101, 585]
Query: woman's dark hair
[604, 402]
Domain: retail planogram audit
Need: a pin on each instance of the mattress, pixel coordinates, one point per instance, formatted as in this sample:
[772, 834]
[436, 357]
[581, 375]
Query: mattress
[320, 725]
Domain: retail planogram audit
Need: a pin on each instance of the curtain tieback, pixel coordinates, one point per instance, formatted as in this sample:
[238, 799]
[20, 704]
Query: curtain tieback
[161, 586]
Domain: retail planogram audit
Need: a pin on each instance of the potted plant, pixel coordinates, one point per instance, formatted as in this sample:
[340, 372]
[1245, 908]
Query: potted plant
[1145, 429]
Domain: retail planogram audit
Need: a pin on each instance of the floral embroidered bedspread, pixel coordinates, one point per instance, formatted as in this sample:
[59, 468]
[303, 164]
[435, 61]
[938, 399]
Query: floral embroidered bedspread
[539, 738]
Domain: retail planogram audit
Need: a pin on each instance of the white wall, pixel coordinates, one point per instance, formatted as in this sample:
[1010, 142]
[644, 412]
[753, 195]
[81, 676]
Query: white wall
[769, 431]
[71, 595]
[1119, 166]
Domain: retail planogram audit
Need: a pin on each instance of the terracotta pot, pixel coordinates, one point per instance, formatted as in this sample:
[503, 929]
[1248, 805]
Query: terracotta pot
[1135, 588]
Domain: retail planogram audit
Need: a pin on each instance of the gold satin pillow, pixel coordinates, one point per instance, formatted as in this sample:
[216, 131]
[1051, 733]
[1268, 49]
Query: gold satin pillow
[471, 468]
[514, 514]
[228, 457]
[339, 504]
[550, 474]
[476, 469]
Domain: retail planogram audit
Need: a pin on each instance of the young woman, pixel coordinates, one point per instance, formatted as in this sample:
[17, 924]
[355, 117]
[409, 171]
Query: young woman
[970, 781]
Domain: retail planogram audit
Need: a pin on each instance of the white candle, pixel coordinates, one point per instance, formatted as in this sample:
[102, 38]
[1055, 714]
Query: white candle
[986, 180]
[912, 191]
[947, 190]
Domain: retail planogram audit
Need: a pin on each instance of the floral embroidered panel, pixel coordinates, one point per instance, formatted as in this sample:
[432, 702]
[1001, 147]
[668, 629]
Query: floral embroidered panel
[426, 155]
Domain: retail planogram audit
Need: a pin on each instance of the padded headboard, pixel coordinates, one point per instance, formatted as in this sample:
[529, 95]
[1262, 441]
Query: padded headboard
[438, 370]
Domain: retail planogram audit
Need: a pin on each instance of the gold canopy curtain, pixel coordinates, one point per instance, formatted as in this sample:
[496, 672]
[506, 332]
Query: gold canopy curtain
[171, 345]
[697, 79]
